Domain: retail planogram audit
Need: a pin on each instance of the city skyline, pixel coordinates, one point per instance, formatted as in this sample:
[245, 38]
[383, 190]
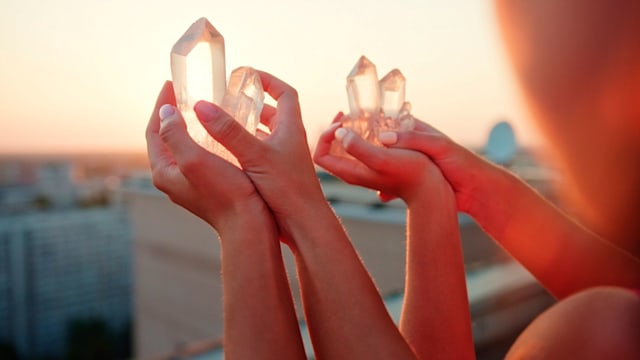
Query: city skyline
[83, 76]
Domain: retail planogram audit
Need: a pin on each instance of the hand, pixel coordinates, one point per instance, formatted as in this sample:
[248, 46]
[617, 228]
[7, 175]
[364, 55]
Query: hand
[278, 163]
[465, 171]
[208, 186]
[393, 172]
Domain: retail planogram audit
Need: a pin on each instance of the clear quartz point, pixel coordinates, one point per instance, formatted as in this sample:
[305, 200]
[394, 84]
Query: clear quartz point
[244, 97]
[392, 89]
[198, 73]
[363, 89]
[375, 106]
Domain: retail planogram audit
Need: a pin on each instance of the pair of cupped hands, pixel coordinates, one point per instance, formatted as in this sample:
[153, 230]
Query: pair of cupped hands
[277, 180]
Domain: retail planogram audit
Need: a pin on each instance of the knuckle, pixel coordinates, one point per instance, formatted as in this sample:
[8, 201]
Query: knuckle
[190, 165]
[169, 130]
[159, 180]
[226, 129]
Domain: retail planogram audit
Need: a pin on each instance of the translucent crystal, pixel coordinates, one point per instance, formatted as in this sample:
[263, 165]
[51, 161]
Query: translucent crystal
[198, 72]
[392, 88]
[375, 106]
[363, 89]
[244, 97]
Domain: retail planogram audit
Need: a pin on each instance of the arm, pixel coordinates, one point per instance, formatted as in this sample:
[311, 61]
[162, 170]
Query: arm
[564, 256]
[259, 318]
[435, 316]
[345, 314]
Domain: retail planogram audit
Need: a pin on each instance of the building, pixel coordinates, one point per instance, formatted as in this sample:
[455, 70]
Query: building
[65, 255]
[59, 266]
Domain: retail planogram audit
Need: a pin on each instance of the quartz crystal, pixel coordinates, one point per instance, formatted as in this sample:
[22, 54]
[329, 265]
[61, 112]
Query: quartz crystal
[392, 88]
[198, 73]
[244, 97]
[375, 106]
[362, 89]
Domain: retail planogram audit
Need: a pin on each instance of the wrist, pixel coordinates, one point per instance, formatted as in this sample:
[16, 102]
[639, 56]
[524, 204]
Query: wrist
[494, 196]
[314, 223]
[245, 219]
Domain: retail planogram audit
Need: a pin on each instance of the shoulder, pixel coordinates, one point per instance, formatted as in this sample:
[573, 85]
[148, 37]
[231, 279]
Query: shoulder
[597, 323]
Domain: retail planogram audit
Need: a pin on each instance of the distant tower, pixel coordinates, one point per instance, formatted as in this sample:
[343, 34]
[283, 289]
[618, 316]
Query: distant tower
[501, 147]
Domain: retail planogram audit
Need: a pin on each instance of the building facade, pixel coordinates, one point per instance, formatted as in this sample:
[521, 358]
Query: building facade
[61, 265]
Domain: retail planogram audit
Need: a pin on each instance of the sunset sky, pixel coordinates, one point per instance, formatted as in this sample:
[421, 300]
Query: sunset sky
[83, 75]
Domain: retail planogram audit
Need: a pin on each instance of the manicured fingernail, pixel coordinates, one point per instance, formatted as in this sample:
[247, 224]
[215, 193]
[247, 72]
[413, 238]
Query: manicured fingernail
[340, 133]
[207, 111]
[388, 137]
[165, 111]
[347, 137]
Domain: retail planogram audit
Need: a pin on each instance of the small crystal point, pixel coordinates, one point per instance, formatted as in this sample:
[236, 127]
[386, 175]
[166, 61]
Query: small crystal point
[245, 97]
[198, 73]
[392, 92]
[363, 89]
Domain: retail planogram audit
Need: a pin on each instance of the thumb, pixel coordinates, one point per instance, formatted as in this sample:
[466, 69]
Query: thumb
[227, 131]
[173, 132]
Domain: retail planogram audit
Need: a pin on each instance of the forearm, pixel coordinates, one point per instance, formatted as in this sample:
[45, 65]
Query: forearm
[564, 256]
[435, 316]
[259, 316]
[345, 314]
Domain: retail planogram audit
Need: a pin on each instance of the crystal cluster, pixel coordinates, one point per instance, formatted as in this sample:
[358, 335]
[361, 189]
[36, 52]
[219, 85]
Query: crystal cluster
[198, 72]
[376, 106]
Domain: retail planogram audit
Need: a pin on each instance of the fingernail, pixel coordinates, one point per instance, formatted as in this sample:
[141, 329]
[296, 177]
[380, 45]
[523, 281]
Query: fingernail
[165, 111]
[388, 137]
[340, 133]
[208, 112]
[347, 137]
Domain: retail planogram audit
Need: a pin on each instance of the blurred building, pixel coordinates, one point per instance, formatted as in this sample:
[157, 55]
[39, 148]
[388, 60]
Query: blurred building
[178, 292]
[55, 267]
[62, 258]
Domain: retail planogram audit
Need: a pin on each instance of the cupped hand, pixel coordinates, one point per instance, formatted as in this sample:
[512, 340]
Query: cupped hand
[279, 162]
[208, 186]
[402, 173]
[467, 172]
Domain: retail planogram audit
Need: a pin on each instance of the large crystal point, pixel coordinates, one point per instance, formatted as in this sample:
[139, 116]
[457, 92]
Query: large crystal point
[363, 89]
[198, 72]
[392, 88]
[244, 97]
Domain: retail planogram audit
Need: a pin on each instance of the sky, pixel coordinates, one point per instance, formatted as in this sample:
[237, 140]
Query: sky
[83, 75]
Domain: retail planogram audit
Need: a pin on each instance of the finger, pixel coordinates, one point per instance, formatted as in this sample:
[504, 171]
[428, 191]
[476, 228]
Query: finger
[435, 145]
[156, 151]
[323, 147]
[288, 108]
[350, 170]
[267, 115]
[261, 134]
[374, 157]
[423, 126]
[226, 130]
[338, 117]
[384, 197]
[174, 135]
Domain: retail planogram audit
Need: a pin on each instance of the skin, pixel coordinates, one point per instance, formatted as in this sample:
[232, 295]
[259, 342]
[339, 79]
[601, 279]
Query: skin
[252, 265]
[435, 280]
[577, 64]
[345, 314]
[563, 255]
[575, 93]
